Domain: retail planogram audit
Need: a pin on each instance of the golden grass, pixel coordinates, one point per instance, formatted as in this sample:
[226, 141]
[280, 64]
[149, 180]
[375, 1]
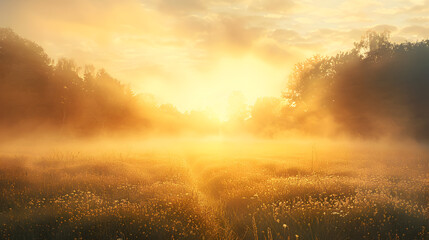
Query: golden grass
[235, 193]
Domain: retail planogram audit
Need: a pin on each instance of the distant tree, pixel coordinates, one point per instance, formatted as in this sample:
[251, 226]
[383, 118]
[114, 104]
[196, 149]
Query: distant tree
[25, 80]
[376, 89]
[37, 93]
[237, 107]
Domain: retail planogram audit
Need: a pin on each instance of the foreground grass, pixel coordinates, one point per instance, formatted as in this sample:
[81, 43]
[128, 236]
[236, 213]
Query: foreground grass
[210, 196]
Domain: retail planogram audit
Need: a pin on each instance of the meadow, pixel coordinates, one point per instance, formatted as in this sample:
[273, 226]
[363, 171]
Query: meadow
[223, 189]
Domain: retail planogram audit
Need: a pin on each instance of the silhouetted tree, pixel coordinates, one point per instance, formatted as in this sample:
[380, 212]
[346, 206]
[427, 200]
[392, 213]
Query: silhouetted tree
[376, 89]
[38, 93]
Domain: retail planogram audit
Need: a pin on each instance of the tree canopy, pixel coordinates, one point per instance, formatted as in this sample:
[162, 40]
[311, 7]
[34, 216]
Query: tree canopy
[376, 89]
[37, 92]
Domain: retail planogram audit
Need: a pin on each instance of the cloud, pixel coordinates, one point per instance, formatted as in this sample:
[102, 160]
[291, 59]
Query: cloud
[276, 54]
[419, 20]
[272, 6]
[383, 28]
[220, 34]
[422, 8]
[286, 35]
[415, 30]
[182, 7]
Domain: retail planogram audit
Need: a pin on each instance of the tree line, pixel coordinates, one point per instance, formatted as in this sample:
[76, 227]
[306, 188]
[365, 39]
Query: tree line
[40, 94]
[376, 89]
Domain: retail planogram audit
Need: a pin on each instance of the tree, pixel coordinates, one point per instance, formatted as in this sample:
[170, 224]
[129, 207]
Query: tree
[376, 89]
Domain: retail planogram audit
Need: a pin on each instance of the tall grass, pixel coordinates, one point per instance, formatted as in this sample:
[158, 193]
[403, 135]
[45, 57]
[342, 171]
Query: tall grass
[206, 196]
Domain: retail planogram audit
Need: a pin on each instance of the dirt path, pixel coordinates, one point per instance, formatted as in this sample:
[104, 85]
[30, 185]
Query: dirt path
[208, 202]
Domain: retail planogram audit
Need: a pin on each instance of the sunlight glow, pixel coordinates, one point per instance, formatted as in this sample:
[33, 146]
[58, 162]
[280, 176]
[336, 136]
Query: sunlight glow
[248, 75]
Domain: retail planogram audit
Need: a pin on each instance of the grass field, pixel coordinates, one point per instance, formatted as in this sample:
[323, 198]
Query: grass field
[216, 190]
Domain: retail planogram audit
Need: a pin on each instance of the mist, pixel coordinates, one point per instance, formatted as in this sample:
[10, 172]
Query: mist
[341, 154]
[377, 90]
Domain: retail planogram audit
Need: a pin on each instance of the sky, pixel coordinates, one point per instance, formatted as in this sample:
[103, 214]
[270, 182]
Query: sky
[195, 54]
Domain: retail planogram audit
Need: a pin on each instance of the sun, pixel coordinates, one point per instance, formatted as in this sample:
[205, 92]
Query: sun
[247, 75]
